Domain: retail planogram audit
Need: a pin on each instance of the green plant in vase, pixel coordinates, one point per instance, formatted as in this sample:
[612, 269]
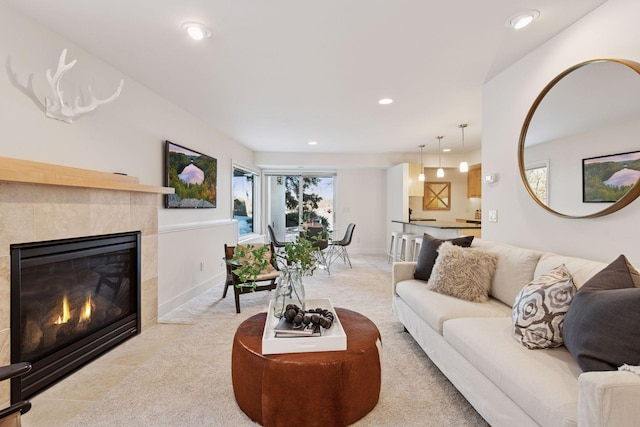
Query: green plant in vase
[296, 260]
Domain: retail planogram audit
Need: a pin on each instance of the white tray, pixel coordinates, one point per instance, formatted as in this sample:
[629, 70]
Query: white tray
[332, 339]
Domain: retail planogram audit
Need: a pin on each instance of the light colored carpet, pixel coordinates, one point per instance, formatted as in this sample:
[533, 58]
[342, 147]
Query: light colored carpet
[187, 382]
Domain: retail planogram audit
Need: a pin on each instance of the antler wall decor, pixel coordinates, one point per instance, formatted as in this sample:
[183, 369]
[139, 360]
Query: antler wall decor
[56, 108]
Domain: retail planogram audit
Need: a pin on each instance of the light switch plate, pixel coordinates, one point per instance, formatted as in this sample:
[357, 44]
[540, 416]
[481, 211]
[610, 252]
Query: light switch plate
[493, 216]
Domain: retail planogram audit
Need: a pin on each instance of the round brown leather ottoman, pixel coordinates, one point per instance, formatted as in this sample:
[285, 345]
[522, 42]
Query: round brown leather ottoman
[331, 388]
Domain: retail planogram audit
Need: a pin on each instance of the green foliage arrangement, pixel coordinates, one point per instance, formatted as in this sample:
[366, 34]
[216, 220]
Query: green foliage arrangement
[250, 261]
[299, 254]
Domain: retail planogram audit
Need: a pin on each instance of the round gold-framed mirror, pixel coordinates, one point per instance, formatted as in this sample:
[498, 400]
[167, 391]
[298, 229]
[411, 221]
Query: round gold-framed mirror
[578, 153]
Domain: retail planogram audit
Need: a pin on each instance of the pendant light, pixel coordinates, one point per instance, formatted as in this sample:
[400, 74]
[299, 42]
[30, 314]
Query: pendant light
[421, 176]
[464, 166]
[440, 172]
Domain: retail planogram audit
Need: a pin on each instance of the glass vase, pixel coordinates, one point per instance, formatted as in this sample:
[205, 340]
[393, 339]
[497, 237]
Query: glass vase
[289, 290]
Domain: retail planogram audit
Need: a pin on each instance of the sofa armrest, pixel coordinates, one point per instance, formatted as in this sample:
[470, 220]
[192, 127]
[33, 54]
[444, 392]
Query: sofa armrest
[402, 271]
[608, 398]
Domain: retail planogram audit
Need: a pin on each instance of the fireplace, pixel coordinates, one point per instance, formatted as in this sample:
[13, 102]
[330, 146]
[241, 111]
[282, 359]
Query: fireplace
[71, 301]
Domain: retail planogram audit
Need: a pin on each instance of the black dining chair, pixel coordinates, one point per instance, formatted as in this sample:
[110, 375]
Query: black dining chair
[320, 240]
[277, 244]
[338, 248]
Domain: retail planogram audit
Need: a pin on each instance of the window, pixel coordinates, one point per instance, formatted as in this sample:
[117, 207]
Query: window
[244, 199]
[297, 199]
[537, 177]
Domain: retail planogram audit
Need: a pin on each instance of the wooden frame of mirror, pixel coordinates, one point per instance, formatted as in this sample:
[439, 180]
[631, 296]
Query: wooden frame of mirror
[630, 196]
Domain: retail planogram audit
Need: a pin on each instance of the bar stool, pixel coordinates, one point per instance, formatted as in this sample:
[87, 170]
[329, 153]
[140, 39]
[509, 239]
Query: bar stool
[393, 248]
[416, 247]
[406, 246]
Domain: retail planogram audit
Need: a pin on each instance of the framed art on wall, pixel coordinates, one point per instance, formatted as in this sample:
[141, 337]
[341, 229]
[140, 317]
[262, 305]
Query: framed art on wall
[605, 179]
[192, 174]
[437, 196]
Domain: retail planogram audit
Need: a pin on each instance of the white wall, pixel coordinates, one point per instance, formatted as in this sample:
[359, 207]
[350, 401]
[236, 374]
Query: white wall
[124, 136]
[397, 206]
[361, 199]
[610, 31]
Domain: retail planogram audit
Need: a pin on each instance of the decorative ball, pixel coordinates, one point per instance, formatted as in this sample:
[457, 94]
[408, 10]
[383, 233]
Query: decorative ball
[290, 314]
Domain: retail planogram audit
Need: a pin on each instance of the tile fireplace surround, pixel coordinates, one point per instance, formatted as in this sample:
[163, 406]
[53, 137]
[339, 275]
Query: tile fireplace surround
[31, 212]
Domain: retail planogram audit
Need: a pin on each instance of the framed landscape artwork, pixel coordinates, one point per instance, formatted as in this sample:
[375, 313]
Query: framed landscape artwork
[605, 179]
[192, 174]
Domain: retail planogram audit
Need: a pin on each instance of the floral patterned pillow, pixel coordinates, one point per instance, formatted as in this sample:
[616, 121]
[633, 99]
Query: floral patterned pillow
[540, 307]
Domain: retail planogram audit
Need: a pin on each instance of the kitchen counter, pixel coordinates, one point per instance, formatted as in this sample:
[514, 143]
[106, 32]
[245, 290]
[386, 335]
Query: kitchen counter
[440, 229]
[471, 220]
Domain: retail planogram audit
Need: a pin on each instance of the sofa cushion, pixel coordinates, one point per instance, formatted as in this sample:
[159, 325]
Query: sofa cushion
[463, 272]
[514, 269]
[581, 269]
[540, 308]
[429, 253]
[602, 327]
[544, 384]
[435, 308]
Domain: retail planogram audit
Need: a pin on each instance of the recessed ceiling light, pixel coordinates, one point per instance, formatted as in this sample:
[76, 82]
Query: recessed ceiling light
[196, 30]
[313, 142]
[446, 150]
[521, 19]
[385, 101]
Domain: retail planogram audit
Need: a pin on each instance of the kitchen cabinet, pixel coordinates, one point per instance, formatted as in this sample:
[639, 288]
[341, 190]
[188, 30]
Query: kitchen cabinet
[474, 181]
[416, 187]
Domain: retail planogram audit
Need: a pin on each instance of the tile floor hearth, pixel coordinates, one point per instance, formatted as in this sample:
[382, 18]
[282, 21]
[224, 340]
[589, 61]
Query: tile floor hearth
[59, 404]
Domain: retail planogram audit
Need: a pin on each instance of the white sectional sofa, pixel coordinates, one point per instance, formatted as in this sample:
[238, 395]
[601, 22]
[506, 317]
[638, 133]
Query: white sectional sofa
[474, 345]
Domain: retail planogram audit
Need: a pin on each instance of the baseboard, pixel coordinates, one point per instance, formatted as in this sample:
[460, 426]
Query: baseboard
[253, 238]
[178, 300]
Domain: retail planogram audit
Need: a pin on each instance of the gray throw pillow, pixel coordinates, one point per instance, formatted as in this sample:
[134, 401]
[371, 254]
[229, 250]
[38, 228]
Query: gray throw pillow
[602, 328]
[540, 308]
[429, 253]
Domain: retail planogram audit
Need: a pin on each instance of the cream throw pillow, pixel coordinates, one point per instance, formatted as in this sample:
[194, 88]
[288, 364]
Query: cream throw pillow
[463, 273]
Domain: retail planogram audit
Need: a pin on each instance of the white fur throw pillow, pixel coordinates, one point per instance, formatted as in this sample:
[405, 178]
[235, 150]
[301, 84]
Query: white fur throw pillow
[463, 273]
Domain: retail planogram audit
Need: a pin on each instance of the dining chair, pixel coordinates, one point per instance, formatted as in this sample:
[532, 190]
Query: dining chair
[278, 244]
[338, 248]
[320, 240]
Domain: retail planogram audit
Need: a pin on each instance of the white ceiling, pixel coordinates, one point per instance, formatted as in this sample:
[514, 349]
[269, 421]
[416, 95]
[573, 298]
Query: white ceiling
[276, 74]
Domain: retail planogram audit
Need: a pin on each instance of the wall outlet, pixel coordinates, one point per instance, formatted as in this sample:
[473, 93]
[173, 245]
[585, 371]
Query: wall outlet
[493, 215]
